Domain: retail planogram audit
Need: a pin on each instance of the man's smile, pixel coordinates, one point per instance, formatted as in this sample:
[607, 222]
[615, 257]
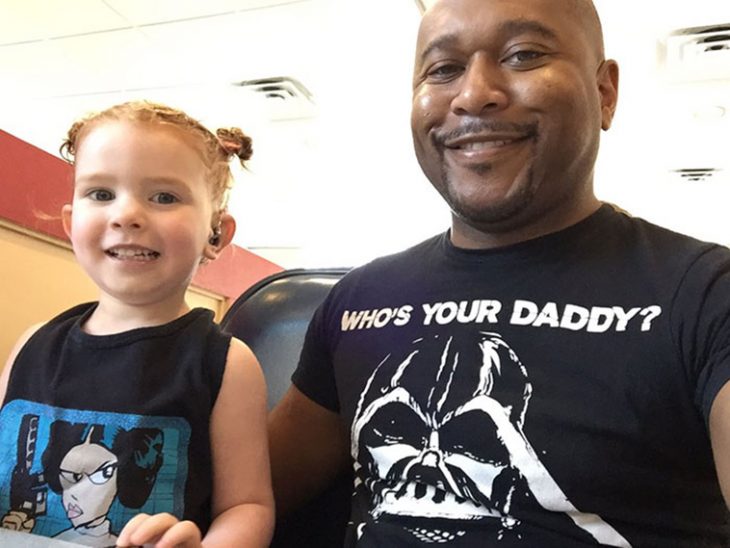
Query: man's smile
[481, 141]
[481, 149]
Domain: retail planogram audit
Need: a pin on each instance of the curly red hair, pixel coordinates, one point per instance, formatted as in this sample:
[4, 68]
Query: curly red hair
[217, 148]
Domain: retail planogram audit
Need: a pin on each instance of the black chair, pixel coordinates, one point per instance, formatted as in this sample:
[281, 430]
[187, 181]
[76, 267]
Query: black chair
[272, 318]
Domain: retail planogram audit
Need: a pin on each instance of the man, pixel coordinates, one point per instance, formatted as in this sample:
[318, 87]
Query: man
[550, 371]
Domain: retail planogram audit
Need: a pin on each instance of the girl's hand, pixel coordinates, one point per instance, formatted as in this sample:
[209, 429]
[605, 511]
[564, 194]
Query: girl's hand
[161, 531]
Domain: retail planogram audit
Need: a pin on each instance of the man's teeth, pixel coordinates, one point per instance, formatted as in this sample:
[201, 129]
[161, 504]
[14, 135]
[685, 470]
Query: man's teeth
[133, 254]
[483, 145]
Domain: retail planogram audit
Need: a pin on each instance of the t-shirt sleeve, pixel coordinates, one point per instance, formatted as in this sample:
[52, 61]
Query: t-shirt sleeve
[314, 375]
[704, 296]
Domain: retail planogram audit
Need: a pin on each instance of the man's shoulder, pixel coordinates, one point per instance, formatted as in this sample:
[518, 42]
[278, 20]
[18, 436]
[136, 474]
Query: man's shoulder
[384, 273]
[411, 257]
[660, 239]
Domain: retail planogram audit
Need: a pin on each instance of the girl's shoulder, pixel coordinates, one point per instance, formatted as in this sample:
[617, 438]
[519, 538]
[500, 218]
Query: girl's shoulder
[19, 344]
[70, 314]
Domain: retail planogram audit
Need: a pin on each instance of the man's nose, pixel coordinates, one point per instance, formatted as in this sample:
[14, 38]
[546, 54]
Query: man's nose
[482, 88]
[127, 213]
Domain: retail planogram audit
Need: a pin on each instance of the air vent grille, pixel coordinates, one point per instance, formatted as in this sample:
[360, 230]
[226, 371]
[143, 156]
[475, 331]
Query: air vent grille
[698, 53]
[285, 97]
[696, 175]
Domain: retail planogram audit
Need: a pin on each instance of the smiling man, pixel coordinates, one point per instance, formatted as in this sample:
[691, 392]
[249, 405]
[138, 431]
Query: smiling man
[517, 102]
[550, 372]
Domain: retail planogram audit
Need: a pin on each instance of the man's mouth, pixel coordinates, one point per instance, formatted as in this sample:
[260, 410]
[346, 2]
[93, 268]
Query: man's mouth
[475, 138]
[140, 254]
[480, 143]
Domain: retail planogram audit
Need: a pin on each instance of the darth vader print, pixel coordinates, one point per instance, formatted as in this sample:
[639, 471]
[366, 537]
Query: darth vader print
[438, 433]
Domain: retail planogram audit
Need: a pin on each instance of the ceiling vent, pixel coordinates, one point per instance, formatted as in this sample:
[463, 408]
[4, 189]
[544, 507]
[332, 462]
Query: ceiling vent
[285, 98]
[696, 175]
[697, 54]
[421, 5]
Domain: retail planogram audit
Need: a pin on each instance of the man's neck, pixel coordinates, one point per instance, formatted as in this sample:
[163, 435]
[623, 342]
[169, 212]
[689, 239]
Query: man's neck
[467, 236]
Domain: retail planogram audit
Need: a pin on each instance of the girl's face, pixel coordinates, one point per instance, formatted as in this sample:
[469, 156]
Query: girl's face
[141, 214]
[88, 476]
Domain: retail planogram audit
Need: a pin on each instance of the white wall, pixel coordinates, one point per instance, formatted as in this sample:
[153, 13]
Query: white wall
[662, 125]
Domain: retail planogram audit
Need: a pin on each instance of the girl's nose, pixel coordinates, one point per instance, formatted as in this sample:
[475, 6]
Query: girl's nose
[128, 213]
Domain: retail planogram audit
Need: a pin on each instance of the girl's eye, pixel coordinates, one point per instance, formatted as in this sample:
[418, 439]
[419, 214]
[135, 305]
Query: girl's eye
[164, 198]
[101, 195]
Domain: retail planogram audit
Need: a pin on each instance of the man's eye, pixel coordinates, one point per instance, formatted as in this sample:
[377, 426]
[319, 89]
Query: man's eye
[524, 57]
[444, 72]
[101, 195]
[164, 198]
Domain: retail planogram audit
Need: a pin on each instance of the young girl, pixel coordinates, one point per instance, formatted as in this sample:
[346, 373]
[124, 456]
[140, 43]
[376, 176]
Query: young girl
[134, 420]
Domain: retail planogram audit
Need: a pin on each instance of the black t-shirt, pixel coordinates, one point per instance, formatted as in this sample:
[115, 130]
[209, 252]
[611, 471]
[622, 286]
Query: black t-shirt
[551, 393]
[96, 429]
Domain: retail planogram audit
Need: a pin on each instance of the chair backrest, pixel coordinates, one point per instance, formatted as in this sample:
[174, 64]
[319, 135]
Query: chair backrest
[272, 318]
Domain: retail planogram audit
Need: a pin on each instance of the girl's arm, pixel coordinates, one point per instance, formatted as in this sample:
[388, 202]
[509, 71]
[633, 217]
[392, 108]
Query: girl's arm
[17, 520]
[243, 504]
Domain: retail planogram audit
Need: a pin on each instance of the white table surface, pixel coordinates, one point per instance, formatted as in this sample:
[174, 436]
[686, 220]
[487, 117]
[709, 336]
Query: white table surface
[13, 539]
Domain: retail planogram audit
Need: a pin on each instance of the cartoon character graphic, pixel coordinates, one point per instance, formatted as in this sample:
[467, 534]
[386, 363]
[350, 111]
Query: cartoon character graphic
[90, 476]
[87, 476]
[438, 433]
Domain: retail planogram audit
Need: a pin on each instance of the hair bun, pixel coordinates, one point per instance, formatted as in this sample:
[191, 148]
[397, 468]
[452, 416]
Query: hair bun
[234, 141]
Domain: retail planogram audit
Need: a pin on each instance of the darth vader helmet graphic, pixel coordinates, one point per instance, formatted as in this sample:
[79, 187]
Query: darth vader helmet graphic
[425, 428]
[438, 433]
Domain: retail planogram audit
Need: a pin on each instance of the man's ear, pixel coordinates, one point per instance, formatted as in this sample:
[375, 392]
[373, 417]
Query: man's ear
[226, 229]
[66, 216]
[608, 89]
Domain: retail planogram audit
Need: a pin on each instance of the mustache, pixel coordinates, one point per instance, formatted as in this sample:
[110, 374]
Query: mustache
[471, 127]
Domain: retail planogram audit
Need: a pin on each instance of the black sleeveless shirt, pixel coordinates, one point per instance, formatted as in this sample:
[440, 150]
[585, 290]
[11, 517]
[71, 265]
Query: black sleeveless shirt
[95, 429]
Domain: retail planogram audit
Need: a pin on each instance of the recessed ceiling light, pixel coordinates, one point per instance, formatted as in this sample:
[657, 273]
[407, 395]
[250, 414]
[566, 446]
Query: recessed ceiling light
[710, 112]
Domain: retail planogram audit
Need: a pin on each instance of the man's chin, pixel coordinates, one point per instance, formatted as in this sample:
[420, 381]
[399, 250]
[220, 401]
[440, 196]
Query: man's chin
[492, 215]
[489, 198]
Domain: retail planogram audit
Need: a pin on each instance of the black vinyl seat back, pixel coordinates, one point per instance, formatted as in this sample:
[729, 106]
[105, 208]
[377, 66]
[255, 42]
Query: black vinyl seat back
[272, 318]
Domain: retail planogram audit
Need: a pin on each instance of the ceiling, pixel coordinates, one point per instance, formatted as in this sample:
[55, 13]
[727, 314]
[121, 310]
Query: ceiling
[333, 181]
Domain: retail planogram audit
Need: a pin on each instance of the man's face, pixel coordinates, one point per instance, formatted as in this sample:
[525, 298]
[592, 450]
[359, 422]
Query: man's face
[509, 99]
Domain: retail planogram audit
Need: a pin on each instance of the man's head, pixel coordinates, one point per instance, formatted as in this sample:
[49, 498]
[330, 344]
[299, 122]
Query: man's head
[509, 100]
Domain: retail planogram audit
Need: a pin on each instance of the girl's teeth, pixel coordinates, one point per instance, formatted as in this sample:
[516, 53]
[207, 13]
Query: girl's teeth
[136, 255]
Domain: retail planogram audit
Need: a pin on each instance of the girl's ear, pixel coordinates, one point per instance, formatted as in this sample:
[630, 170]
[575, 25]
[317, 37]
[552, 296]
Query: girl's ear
[221, 238]
[66, 216]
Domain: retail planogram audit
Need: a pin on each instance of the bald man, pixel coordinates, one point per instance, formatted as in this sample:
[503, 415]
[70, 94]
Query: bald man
[550, 371]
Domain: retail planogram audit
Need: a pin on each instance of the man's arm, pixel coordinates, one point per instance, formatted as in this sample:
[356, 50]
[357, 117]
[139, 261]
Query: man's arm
[720, 436]
[309, 448]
